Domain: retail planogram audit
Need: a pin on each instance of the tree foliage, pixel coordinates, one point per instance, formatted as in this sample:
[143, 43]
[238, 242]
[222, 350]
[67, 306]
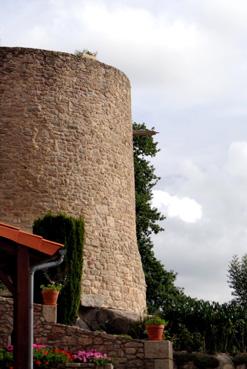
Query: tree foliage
[69, 231]
[237, 278]
[198, 325]
[194, 325]
[160, 283]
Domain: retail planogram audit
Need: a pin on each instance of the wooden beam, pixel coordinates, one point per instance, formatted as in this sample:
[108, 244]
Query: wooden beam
[21, 306]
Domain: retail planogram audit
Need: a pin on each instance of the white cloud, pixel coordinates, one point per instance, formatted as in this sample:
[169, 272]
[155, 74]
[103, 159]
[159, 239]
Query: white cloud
[201, 251]
[173, 55]
[158, 51]
[237, 160]
[186, 209]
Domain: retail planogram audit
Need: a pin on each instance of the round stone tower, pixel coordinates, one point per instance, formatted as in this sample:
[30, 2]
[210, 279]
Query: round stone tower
[66, 145]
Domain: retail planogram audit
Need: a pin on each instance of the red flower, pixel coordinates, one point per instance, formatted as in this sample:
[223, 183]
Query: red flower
[37, 362]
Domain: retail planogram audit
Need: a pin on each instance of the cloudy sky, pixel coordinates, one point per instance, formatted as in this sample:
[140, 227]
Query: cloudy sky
[186, 60]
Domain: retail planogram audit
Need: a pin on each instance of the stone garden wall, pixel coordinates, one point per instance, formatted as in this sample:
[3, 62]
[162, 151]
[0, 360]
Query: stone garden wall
[126, 353]
[66, 145]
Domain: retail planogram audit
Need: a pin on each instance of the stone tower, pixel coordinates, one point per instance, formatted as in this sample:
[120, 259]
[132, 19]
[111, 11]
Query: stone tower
[66, 145]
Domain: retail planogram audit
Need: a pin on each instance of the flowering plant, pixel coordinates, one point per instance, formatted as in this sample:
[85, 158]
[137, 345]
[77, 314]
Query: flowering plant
[46, 357]
[92, 356]
[6, 359]
[43, 357]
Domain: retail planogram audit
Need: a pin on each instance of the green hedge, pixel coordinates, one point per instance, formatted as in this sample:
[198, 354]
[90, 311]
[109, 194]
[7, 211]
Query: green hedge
[69, 231]
[197, 325]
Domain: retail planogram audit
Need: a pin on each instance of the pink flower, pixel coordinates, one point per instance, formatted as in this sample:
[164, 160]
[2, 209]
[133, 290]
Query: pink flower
[38, 346]
[89, 356]
[10, 348]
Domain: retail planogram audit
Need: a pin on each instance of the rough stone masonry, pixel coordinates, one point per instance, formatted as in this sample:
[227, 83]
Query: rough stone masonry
[66, 145]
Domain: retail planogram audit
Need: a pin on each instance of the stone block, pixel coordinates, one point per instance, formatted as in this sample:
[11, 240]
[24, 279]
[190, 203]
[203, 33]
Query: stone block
[163, 364]
[130, 350]
[49, 312]
[158, 350]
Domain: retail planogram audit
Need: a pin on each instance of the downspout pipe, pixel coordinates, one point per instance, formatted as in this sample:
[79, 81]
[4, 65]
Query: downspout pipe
[35, 268]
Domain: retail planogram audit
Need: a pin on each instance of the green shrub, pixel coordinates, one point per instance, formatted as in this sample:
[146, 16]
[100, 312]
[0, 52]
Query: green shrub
[197, 325]
[69, 231]
[184, 340]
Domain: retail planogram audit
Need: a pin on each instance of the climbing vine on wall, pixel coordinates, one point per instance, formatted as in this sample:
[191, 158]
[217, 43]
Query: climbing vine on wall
[69, 231]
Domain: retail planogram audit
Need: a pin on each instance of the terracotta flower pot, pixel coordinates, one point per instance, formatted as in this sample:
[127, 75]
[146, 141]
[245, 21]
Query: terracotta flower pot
[50, 296]
[155, 332]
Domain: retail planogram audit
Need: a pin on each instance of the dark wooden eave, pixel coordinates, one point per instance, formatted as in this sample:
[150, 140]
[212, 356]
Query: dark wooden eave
[19, 251]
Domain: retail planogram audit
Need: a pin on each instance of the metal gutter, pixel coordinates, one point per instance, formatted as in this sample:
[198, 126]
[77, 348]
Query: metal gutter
[35, 268]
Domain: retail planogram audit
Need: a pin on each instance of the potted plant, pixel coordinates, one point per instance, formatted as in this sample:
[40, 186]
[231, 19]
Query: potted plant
[155, 328]
[50, 293]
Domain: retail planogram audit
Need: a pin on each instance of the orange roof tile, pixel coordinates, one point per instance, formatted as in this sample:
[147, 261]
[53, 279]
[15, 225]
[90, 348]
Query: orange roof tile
[29, 240]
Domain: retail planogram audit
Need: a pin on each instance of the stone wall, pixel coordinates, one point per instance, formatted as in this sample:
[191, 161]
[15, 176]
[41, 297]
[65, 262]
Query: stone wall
[126, 353]
[66, 145]
[43, 314]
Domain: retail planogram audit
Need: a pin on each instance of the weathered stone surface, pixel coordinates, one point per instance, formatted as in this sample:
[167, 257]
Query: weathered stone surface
[71, 338]
[158, 349]
[81, 324]
[50, 313]
[66, 145]
[126, 353]
[111, 321]
[163, 364]
[225, 361]
[88, 366]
